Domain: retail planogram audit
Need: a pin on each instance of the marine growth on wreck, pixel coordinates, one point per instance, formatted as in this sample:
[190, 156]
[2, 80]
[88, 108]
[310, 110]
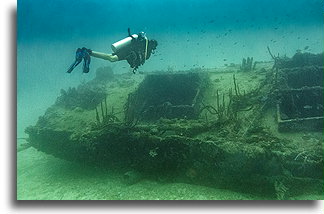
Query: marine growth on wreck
[254, 127]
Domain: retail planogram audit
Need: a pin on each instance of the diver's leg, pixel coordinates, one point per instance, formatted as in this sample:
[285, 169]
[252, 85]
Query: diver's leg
[110, 57]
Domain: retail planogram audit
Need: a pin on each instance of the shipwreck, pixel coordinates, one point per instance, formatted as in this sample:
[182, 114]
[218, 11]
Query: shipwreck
[217, 127]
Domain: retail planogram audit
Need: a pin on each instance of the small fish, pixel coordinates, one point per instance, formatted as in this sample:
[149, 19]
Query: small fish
[306, 47]
[307, 107]
[319, 106]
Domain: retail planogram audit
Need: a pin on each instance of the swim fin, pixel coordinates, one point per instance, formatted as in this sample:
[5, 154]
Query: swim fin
[78, 59]
[86, 63]
[81, 54]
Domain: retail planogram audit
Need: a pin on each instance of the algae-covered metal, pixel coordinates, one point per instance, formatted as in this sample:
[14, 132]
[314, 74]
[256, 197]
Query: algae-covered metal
[300, 91]
[207, 126]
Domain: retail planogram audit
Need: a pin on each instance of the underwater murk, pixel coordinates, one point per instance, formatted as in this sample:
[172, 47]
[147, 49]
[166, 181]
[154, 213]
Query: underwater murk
[217, 100]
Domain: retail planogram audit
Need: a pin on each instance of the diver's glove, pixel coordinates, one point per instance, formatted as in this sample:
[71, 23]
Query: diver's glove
[81, 54]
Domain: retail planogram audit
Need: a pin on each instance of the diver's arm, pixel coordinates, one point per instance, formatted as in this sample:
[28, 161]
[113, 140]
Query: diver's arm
[110, 57]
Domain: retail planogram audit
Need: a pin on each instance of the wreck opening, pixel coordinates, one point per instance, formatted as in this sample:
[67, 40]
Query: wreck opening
[165, 96]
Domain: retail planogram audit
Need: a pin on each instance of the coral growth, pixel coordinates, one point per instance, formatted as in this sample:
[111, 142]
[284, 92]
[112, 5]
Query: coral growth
[85, 96]
[104, 74]
[298, 60]
[247, 64]
[230, 149]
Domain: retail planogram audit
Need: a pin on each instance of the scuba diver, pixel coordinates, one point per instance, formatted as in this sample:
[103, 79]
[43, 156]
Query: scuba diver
[136, 49]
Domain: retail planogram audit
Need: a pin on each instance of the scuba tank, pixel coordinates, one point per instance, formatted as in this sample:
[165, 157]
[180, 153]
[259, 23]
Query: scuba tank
[133, 48]
[124, 43]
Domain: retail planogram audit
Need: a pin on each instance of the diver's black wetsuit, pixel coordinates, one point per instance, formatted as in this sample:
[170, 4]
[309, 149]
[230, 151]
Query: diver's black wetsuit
[135, 54]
